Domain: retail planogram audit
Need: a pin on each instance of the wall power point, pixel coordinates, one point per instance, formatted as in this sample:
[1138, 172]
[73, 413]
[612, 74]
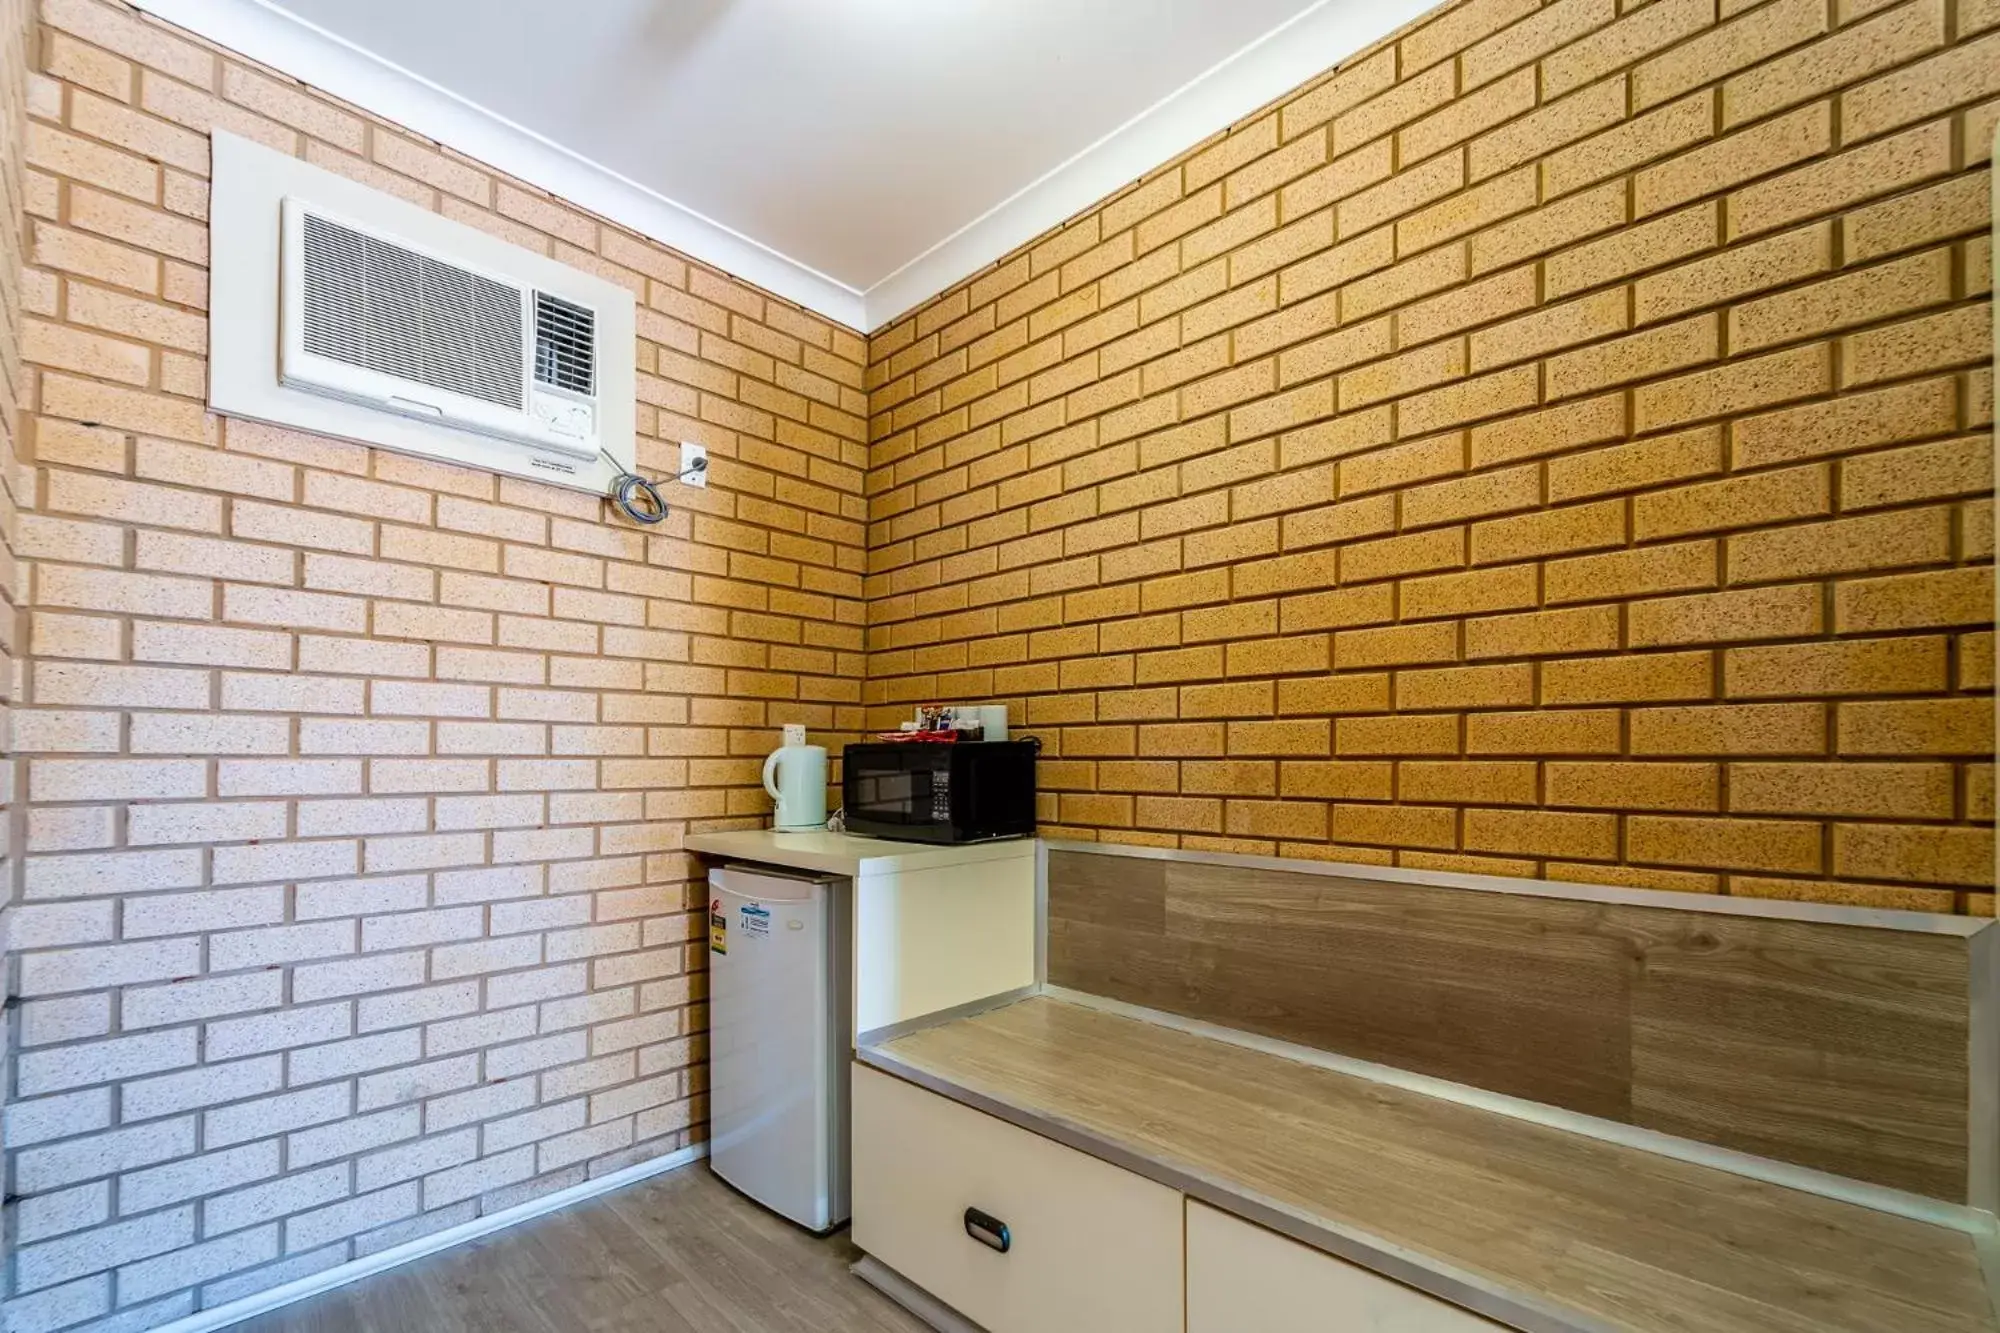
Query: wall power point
[694, 464]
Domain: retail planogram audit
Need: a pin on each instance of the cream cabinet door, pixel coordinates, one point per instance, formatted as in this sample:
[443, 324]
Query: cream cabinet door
[1241, 1277]
[926, 940]
[1090, 1248]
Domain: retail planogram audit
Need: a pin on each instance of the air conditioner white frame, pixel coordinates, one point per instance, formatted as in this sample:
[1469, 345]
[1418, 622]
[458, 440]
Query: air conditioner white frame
[299, 367]
[247, 327]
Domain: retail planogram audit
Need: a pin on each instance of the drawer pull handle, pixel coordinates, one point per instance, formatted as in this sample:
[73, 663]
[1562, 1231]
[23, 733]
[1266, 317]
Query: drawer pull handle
[988, 1230]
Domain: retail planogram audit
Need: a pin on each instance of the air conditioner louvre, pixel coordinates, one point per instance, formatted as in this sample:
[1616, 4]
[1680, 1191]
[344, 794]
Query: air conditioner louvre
[565, 344]
[376, 305]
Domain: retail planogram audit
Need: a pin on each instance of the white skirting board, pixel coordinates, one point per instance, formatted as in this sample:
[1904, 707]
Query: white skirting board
[911, 1296]
[248, 1307]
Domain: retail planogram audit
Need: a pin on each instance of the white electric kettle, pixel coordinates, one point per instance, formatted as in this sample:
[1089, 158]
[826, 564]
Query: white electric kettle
[799, 793]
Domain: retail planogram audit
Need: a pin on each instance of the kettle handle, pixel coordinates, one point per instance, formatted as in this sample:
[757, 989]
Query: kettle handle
[771, 762]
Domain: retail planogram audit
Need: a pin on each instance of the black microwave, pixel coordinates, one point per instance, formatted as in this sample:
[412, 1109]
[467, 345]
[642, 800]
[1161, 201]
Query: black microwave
[926, 791]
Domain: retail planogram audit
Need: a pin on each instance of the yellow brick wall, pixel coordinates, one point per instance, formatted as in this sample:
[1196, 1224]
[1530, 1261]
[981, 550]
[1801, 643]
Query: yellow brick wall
[354, 899]
[1557, 442]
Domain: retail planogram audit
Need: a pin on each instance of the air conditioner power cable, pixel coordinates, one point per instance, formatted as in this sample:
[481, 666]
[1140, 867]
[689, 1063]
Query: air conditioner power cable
[639, 498]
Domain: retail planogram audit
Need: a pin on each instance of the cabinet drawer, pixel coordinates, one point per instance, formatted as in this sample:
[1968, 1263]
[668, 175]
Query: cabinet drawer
[1091, 1247]
[1241, 1277]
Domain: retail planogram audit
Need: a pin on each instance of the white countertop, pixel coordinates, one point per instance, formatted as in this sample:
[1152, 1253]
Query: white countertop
[848, 853]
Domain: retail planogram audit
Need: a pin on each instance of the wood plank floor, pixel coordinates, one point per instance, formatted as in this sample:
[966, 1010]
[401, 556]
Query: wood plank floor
[681, 1253]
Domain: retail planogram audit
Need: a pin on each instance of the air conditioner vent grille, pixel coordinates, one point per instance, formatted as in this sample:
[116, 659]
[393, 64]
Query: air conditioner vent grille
[565, 344]
[379, 306]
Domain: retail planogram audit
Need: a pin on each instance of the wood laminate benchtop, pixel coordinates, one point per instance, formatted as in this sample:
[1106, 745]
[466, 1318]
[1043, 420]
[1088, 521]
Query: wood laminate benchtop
[1535, 1226]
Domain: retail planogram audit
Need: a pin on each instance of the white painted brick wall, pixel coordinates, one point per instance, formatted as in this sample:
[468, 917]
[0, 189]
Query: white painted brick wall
[353, 899]
[308, 1230]
[191, 1177]
[289, 1194]
[43, 1265]
[58, 1212]
[204, 1085]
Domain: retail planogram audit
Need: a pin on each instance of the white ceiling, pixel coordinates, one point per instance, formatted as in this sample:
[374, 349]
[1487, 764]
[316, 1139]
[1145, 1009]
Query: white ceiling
[882, 149]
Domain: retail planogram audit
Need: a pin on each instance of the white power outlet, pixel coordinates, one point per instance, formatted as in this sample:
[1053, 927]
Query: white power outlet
[691, 454]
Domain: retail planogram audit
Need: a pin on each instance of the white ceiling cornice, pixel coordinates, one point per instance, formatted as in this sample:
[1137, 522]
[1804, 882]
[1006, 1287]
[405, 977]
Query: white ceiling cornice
[1252, 77]
[333, 65]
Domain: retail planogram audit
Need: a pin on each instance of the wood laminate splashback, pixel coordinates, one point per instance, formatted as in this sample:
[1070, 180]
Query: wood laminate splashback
[1834, 1046]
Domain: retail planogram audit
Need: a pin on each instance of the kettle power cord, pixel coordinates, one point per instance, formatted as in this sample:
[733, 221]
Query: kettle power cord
[639, 498]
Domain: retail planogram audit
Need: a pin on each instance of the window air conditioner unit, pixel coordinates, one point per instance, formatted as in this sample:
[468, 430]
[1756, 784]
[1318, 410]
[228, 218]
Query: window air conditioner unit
[342, 310]
[375, 320]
